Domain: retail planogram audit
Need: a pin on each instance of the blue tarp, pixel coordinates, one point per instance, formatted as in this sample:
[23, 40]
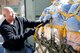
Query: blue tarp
[72, 23]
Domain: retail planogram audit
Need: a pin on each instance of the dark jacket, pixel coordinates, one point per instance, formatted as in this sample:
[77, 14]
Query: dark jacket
[14, 35]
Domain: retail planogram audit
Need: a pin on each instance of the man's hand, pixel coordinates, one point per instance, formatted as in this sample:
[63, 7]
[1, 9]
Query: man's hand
[30, 32]
[44, 23]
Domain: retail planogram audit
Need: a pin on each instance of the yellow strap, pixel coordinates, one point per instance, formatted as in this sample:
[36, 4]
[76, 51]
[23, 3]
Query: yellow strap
[64, 31]
[63, 13]
[77, 17]
[60, 29]
[51, 19]
[43, 14]
[78, 51]
[42, 29]
[77, 10]
[72, 32]
[69, 15]
[57, 27]
[71, 2]
[51, 12]
[39, 25]
[35, 35]
[57, 4]
[66, 14]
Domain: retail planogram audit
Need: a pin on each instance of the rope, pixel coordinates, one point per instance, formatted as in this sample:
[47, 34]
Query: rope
[70, 15]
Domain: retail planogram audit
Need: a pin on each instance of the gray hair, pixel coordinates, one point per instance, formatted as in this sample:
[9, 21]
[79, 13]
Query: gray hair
[9, 8]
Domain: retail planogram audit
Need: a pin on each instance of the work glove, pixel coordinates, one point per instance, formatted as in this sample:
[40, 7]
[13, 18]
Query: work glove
[47, 19]
[30, 32]
[46, 22]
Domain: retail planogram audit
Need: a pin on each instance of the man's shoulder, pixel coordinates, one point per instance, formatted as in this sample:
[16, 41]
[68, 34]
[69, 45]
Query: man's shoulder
[19, 17]
[22, 19]
[5, 26]
[4, 23]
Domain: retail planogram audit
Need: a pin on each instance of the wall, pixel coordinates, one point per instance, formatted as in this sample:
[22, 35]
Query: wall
[40, 5]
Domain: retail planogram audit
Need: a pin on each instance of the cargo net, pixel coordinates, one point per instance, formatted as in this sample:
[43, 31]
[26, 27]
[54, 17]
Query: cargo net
[54, 44]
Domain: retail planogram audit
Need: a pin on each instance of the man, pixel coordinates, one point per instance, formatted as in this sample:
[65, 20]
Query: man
[13, 32]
